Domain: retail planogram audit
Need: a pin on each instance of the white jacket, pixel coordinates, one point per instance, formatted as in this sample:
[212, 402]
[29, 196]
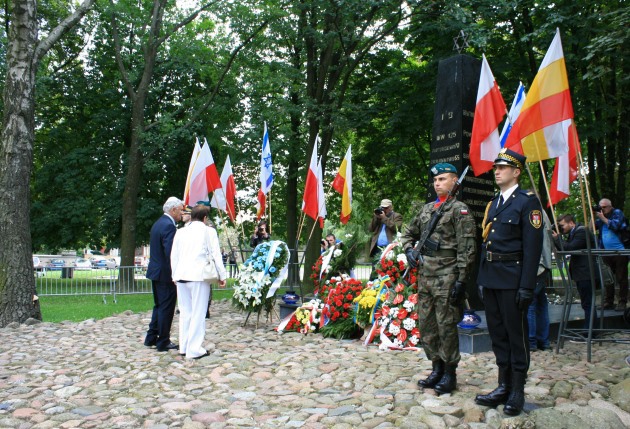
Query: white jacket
[190, 252]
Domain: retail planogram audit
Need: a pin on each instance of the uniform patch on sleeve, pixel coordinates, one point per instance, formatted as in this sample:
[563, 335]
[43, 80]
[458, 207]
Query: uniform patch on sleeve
[535, 218]
[463, 211]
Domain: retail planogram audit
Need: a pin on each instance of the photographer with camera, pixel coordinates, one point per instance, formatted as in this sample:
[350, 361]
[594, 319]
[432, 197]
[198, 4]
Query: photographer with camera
[260, 234]
[610, 225]
[384, 226]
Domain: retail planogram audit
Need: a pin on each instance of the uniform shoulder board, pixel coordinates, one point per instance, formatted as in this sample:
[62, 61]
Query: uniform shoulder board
[528, 193]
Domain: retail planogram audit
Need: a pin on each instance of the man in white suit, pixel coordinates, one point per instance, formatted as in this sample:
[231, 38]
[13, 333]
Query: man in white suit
[193, 246]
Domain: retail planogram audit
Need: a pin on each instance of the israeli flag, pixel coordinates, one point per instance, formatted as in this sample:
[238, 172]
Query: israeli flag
[266, 166]
[515, 110]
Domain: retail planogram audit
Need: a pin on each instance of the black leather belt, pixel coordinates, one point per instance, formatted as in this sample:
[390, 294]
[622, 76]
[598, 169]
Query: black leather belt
[496, 257]
[444, 253]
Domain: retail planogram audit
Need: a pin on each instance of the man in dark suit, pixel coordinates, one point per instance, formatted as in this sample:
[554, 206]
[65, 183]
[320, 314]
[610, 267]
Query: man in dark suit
[510, 254]
[159, 272]
[578, 265]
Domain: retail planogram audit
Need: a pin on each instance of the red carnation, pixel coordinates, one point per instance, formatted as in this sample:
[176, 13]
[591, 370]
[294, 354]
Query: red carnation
[346, 305]
[349, 297]
[345, 315]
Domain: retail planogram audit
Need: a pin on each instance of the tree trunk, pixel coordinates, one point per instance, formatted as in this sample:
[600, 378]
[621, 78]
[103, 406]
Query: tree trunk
[17, 282]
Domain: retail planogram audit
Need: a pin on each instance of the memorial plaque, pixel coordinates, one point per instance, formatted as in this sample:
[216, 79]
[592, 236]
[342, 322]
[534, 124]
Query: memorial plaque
[456, 97]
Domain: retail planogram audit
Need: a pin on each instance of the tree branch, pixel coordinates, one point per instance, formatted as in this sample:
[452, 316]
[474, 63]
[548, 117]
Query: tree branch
[64, 26]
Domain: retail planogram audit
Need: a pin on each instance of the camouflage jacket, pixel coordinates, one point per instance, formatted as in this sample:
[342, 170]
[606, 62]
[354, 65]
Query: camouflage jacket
[455, 232]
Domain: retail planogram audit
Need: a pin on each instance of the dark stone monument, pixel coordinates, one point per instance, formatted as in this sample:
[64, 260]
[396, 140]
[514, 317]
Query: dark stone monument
[456, 97]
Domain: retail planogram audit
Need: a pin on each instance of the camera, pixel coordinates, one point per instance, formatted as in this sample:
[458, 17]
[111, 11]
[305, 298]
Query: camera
[378, 211]
[597, 208]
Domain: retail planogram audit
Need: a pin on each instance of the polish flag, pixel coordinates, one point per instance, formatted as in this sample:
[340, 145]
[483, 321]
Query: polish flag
[321, 199]
[310, 205]
[223, 198]
[191, 168]
[565, 171]
[490, 110]
[205, 177]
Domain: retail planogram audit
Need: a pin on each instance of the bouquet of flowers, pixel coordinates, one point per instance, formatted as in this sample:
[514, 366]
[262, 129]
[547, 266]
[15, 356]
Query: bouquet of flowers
[335, 261]
[398, 318]
[305, 319]
[260, 276]
[338, 307]
[369, 301]
[393, 263]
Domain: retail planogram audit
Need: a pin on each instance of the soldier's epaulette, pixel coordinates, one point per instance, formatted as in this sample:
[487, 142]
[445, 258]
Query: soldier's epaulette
[528, 193]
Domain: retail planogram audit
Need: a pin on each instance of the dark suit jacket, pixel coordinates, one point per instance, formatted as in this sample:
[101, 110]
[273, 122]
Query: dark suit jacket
[517, 226]
[161, 242]
[576, 240]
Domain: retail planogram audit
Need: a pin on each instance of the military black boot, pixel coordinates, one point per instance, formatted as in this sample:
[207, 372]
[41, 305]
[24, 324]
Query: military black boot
[435, 376]
[500, 394]
[516, 400]
[449, 380]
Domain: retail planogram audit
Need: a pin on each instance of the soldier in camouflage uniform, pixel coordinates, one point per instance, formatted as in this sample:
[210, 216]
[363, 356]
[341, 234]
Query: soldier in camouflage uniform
[448, 258]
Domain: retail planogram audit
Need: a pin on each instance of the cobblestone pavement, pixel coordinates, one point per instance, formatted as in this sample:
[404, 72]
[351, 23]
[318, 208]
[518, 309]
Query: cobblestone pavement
[98, 374]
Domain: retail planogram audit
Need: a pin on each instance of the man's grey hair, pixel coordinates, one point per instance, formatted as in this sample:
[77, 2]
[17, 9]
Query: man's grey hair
[171, 203]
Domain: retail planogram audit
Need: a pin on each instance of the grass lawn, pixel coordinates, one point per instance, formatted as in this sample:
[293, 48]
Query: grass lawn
[76, 308]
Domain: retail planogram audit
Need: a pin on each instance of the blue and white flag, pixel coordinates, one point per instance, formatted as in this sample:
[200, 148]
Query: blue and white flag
[266, 170]
[515, 110]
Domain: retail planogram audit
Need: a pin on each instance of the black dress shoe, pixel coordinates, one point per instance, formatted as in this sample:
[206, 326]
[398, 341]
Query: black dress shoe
[170, 346]
[203, 355]
[149, 343]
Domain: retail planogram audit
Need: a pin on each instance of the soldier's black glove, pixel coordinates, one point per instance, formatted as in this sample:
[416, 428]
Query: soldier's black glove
[457, 293]
[524, 297]
[411, 258]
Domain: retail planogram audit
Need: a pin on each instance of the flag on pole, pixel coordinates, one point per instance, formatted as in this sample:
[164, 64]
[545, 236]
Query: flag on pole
[310, 204]
[205, 177]
[191, 168]
[566, 169]
[266, 174]
[343, 185]
[539, 132]
[489, 112]
[223, 198]
[515, 110]
[321, 199]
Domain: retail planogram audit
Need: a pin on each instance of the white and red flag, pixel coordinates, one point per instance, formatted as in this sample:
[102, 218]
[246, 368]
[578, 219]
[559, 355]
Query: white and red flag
[223, 198]
[566, 169]
[310, 201]
[191, 168]
[204, 178]
[490, 110]
[321, 199]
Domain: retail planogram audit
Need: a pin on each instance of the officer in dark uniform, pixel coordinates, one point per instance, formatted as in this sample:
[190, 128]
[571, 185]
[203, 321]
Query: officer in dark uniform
[510, 253]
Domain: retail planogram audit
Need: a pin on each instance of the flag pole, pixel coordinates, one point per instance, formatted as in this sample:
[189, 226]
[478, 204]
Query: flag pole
[269, 211]
[544, 177]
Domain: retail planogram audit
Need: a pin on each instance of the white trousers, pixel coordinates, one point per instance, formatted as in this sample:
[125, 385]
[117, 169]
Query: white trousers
[193, 304]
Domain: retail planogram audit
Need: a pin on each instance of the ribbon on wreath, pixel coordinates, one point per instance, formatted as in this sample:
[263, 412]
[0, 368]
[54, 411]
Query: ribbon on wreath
[284, 272]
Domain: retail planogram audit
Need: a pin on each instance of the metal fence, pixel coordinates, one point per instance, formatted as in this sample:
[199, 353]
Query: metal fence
[68, 281]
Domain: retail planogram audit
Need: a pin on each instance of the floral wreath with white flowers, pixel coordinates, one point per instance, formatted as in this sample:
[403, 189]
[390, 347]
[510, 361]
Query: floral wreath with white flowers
[260, 276]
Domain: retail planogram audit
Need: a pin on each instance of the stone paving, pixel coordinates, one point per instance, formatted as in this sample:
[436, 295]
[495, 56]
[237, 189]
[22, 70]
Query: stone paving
[98, 374]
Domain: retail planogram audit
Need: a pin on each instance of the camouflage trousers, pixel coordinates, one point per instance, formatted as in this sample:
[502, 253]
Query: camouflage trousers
[438, 319]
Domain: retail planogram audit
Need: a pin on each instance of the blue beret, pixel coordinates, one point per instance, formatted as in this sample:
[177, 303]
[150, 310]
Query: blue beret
[443, 167]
